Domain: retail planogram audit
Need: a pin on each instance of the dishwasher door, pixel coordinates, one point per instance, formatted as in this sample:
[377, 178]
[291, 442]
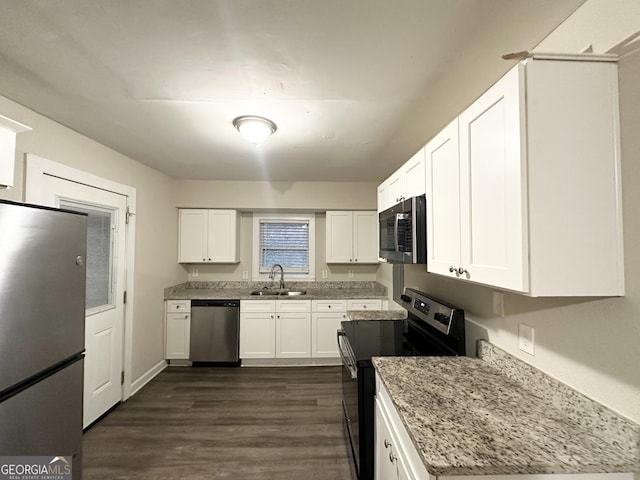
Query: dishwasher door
[215, 331]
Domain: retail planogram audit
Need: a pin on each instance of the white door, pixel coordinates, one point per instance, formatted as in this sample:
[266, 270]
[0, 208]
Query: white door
[104, 323]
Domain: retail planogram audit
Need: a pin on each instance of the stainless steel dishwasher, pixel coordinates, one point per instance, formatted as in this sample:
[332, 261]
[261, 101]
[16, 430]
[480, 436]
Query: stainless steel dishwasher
[215, 331]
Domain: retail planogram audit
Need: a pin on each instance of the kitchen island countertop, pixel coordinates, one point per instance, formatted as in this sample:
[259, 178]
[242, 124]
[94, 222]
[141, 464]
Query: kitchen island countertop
[467, 417]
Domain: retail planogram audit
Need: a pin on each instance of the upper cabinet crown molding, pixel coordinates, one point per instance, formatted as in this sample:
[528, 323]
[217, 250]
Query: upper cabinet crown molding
[209, 236]
[8, 130]
[524, 187]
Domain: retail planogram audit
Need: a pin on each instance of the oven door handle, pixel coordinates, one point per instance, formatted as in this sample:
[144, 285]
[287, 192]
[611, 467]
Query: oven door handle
[346, 361]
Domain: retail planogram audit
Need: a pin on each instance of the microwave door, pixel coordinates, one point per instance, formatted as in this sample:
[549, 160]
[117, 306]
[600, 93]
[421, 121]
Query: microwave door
[403, 244]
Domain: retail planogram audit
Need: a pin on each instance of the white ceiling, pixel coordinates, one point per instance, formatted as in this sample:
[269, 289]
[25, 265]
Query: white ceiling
[355, 86]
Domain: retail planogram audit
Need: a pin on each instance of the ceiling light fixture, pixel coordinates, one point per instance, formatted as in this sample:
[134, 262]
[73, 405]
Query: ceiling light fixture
[253, 128]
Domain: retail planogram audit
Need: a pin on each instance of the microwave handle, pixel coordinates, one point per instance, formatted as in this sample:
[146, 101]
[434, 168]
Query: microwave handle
[399, 216]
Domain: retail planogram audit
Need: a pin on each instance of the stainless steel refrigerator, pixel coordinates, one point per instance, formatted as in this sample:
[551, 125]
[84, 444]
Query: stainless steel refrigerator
[42, 314]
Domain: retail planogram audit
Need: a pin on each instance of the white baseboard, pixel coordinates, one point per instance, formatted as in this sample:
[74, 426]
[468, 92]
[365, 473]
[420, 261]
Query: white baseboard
[147, 377]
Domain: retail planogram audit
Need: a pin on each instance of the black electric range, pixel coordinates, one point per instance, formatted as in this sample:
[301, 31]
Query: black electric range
[432, 328]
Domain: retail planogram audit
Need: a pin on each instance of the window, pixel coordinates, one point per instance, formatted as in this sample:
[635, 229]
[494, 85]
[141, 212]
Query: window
[286, 239]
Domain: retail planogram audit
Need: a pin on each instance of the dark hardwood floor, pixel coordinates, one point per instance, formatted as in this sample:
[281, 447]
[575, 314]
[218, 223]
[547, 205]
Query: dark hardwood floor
[224, 423]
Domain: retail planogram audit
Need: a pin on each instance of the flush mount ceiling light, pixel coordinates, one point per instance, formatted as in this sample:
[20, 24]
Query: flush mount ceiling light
[253, 128]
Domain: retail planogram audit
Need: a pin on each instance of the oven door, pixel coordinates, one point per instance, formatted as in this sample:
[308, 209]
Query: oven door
[350, 399]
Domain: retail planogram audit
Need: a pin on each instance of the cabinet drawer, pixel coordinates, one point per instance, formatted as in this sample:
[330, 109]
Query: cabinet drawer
[177, 306]
[372, 304]
[329, 305]
[293, 306]
[257, 305]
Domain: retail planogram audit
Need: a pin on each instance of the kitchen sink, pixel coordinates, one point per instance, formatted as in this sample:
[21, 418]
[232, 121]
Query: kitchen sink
[274, 293]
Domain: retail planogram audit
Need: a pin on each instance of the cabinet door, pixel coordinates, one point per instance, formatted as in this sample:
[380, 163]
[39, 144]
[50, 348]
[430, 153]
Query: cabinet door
[293, 335]
[222, 245]
[492, 186]
[339, 236]
[383, 197]
[177, 331]
[396, 188]
[324, 326]
[257, 335]
[385, 465]
[365, 237]
[192, 236]
[413, 172]
[443, 201]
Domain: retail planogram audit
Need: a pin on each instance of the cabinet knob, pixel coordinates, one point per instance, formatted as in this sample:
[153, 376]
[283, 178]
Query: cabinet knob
[271, 316]
[452, 269]
[461, 271]
[392, 457]
[329, 306]
[186, 316]
[209, 259]
[356, 260]
[387, 443]
[364, 307]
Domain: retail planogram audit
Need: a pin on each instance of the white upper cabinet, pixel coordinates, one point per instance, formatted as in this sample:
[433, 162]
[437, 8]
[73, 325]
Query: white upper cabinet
[209, 236]
[523, 189]
[406, 182]
[352, 237]
[8, 130]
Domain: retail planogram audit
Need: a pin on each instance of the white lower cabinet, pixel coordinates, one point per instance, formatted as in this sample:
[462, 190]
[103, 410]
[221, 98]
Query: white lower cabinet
[295, 328]
[396, 457]
[177, 329]
[325, 321]
[275, 329]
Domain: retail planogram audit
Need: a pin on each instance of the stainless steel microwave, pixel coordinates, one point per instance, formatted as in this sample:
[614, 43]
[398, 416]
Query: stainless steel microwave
[403, 231]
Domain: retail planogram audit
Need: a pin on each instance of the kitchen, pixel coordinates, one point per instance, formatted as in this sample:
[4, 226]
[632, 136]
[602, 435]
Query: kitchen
[572, 343]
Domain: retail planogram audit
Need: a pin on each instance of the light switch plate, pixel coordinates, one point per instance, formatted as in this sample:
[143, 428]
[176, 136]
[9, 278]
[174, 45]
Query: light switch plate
[194, 272]
[245, 274]
[526, 339]
[324, 274]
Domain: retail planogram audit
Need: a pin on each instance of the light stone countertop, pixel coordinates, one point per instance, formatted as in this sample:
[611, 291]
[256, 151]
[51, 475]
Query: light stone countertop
[500, 416]
[242, 291]
[376, 314]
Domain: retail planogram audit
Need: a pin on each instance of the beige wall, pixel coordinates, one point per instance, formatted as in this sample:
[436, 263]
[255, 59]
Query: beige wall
[277, 195]
[592, 344]
[233, 272]
[156, 219]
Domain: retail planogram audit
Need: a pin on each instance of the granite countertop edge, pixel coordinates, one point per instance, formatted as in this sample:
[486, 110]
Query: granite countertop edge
[613, 428]
[242, 291]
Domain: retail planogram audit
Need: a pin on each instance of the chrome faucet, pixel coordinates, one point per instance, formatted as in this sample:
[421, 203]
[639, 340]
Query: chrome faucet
[272, 274]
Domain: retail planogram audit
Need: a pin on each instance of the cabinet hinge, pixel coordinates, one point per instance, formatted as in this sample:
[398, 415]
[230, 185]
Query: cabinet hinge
[128, 215]
[124, 297]
[122, 378]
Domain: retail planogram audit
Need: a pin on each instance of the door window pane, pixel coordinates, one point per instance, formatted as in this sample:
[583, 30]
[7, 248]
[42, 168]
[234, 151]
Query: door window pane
[100, 259]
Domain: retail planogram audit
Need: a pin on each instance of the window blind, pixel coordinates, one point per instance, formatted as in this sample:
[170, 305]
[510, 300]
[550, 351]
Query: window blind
[286, 243]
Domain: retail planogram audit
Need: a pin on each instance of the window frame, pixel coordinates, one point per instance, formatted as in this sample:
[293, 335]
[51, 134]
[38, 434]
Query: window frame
[285, 217]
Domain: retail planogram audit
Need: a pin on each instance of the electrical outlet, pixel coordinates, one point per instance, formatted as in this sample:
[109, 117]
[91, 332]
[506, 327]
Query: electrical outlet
[324, 274]
[194, 272]
[245, 274]
[350, 273]
[526, 339]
